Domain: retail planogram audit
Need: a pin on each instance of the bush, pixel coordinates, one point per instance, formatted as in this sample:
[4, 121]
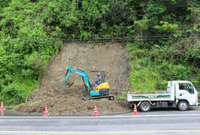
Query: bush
[149, 73]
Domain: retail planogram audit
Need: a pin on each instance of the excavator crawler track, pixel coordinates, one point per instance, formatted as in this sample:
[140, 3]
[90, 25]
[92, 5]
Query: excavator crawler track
[98, 97]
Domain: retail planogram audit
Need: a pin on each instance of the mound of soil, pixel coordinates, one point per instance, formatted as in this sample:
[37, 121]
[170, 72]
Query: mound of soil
[63, 100]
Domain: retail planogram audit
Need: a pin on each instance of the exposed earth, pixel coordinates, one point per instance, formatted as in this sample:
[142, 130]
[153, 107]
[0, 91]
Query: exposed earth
[61, 99]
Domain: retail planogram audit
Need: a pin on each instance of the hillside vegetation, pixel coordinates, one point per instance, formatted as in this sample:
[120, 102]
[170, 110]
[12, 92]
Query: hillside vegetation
[161, 35]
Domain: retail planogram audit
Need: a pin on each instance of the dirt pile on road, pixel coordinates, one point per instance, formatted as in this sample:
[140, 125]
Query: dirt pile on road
[110, 57]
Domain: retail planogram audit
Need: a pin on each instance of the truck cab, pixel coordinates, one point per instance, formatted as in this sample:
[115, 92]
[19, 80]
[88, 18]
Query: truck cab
[185, 91]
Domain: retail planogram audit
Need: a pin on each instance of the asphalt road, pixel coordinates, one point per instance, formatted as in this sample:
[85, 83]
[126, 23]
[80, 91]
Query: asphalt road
[156, 122]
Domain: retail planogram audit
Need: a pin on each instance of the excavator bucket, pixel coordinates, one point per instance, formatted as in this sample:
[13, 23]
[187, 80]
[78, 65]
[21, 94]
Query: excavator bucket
[70, 81]
[69, 84]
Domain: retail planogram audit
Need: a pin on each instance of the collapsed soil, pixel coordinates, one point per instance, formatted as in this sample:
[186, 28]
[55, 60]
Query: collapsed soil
[61, 99]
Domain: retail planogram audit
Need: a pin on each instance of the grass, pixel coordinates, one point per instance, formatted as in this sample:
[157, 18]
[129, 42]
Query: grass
[35, 103]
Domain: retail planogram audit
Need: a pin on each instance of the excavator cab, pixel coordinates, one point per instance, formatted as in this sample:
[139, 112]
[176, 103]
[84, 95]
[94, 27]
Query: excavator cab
[102, 88]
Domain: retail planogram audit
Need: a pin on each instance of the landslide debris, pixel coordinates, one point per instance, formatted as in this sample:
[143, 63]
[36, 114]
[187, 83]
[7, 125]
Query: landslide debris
[112, 58]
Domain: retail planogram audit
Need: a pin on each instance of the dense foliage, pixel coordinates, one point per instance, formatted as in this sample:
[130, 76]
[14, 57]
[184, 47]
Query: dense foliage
[169, 48]
[163, 35]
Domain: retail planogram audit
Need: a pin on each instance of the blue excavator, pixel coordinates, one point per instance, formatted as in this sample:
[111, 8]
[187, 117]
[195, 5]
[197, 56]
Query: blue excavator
[97, 92]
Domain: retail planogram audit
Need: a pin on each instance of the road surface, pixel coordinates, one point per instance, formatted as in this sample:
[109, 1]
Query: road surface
[164, 122]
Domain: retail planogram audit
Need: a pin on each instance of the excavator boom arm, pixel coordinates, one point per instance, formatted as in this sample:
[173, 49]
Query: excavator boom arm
[80, 72]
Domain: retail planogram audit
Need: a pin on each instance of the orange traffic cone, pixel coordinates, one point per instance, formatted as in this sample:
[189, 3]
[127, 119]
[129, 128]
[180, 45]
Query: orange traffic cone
[95, 111]
[2, 112]
[46, 111]
[2, 108]
[135, 110]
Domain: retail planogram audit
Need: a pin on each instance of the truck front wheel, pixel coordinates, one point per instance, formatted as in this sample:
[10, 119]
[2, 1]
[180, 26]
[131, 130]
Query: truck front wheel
[145, 106]
[183, 105]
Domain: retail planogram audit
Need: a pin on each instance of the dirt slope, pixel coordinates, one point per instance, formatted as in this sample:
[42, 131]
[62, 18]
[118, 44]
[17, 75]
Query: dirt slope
[61, 100]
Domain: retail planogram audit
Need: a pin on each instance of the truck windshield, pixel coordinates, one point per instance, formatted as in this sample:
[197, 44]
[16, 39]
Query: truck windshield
[186, 86]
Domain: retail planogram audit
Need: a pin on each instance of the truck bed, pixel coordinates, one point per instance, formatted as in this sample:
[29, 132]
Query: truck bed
[157, 96]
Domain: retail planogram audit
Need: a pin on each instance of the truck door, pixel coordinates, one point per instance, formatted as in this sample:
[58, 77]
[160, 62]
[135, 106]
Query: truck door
[186, 91]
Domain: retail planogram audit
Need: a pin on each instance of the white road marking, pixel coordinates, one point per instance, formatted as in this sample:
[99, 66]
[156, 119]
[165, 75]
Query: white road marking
[96, 117]
[100, 132]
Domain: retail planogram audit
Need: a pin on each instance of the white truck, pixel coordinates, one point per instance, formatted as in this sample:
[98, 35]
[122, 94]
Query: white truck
[180, 94]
